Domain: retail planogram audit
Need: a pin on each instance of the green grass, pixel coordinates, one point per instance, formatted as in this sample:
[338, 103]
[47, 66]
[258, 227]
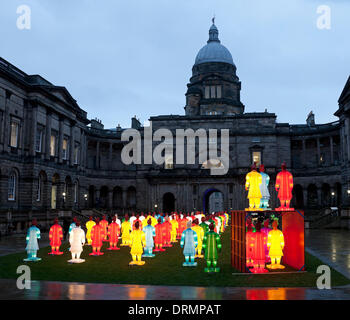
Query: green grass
[165, 269]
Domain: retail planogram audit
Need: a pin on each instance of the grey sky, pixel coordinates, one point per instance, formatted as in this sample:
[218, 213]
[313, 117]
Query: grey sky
[125, 58]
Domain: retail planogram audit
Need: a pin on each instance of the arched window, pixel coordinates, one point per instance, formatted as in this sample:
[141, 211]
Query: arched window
[12, 180]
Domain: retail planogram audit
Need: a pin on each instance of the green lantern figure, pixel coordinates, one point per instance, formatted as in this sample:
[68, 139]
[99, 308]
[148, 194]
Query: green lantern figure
[211, 246]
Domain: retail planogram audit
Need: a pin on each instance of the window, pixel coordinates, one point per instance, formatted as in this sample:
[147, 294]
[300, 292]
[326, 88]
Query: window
[12, 187]
[207, 92]
[212, 92]
[169, 162]
[14, 134]
[38, 140]
[218, 91]
[53, 145]
[65, 149]
[257, 157]
[76, 155]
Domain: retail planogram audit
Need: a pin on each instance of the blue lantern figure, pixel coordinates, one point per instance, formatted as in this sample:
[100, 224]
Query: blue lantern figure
[264, 188]
[32, 247]
[189, 242]
[150, 233]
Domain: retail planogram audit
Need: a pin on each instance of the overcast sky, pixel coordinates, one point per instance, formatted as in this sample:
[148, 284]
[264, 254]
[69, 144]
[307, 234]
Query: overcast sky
[124, 58]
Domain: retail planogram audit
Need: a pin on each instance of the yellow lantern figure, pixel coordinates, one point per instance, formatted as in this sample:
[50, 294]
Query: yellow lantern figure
[253, 182]
[275, 244]
[138, 242]
[200, 235]
[126, 229]
[89, 226]
[174, 226]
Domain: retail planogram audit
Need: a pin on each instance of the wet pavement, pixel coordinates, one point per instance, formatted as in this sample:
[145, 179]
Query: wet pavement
[46, 290]
[331, 246]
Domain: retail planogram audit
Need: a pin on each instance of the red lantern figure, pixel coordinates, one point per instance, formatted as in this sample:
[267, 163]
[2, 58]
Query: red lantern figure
[104, 225]
[284, 186]
[97, 236]
[167, 227]
[249, 245]
[56, 236]
[265, 230]
[113, 235]
[258, 250]
[159, 238]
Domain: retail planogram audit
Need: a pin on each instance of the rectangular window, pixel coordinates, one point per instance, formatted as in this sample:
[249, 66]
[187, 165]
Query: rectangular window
[76, 155]
[212, 92]
[169, 163]
[207, 92]
[38, 140]
[65, 149]
[53, 145]
[14, 134]
[257, 158]
[11, 194]
[218, 92]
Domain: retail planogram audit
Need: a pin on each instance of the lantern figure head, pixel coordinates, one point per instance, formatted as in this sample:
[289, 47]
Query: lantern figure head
[55, 221]
[253, 167]
[274, 224]
[77, 223]
[137, 216]
[97, 220]
[149, 221]
[211, 227]
[266, 223]
[137, 225]
[258, 226]
[159, 220]
[34, 222]
[114, 218]
[90, 218]
[104, 217]
[284, 166]
[249, 228]
[195, 221]
[262, 168]
[126, 217]
[75, 220]
[204, 219]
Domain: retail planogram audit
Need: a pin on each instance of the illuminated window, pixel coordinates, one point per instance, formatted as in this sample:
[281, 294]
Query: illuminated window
[11, 194]
[257, 157]
[218, 91]
[207, 92]
[65, 149]
[212, 163]
[14, 134]
[53, 145]
[169, 162]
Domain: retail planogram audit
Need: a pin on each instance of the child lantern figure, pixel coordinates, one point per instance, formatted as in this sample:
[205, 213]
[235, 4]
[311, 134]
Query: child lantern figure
[252, 185]
[76, 240]
[284, 186]
[55, 236]
[32, 242]
[275, 243]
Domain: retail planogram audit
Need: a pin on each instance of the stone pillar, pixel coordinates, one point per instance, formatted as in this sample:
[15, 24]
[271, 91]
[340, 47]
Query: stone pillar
[110, 199]
[34, 130]
[98, 155]
[124, 198]
[60, 140]
[7, 124]
[305, 197]
[304, 153]
[319, 196]
[331, 149]
[48, 135]
[110, 156]
[318, 151]
[72, 144]
[347, 133]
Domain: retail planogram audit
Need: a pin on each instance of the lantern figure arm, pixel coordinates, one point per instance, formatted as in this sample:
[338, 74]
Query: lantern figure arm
[195, 237]
[218, 243]
[282, 240]
[182, 241]
[205, 239]
[247, 183]
[269, 240]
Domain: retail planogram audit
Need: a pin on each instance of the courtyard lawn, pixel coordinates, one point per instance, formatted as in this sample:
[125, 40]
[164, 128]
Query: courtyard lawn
[165, 269]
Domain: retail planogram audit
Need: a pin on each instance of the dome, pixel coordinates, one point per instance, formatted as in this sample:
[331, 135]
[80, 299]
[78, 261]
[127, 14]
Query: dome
[214, 51]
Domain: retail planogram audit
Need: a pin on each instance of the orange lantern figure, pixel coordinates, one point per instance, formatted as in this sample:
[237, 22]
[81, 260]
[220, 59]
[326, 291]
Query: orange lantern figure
[113, 235]
[97, 236]
[275, 243]
[167, 227]
[182, 226]
[258, 250]
[284, 186]
[253, 182]
[249, 245]
[89, 226]
[174, 227]
[159, 238]
[138, 242]
[56, 236]
[104, 225]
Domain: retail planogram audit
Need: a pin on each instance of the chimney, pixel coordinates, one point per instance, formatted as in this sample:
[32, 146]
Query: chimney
[135, 123]
[97, 124]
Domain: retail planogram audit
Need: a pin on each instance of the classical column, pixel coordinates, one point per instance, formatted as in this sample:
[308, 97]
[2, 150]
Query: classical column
[319, 196]
[48, 135]
[318, 151]
[97, 154]
[34, 130]
[305, 197]
[304, 153]
[72, 143]
[7, 124]
[110, 199]
[331, 149]
[110, 156]
[124, 198]
[347, 133]
[60, 140]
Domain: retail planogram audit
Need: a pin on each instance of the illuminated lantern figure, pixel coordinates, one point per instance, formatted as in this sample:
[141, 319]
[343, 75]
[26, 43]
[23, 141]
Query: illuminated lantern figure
[145, 221]
[264, 188]
[76, 240]
[154, 220]
[89, 226]
[174, 227]
[284, 186]
[72, 226]
[200, 235]
[139, 220]
[167, 227]
[204, 225]
[258, 250]
[189, 242]
[32, 247]
[150, 233]
[138, 242]
[182, 226]
[132, 219]
[265, 230]
[97, 236]
[55, 236]
[160, 234]
[253, 182]
[126, 229]
[211, 245]
[218, 224]
[104, 225]
[117, 220]
[113, 235]
[249, 245]
[275, 243]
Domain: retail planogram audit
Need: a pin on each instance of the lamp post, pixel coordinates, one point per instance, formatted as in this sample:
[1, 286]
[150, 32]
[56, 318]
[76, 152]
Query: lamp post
[86, 199]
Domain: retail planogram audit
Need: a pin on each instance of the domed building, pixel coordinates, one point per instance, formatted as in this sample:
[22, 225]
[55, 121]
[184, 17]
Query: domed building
[54, 160]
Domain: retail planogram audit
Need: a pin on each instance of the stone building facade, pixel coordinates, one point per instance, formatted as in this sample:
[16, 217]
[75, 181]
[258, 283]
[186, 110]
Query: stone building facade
[54, 159]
